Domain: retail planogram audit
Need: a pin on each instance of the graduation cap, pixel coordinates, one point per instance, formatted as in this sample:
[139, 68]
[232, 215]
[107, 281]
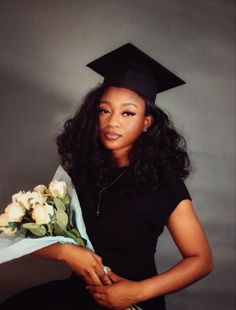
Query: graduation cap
[129, 67]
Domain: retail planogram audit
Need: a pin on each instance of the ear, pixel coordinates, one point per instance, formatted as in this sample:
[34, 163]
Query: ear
[147, 122]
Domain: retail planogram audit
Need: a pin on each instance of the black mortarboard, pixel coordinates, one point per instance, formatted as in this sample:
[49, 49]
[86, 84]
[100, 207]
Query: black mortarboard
[129, 67]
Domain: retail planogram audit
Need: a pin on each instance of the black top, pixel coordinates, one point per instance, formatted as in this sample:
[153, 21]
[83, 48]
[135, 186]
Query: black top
[125, 233]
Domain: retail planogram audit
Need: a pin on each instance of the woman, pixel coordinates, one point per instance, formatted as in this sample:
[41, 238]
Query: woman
[128, 164]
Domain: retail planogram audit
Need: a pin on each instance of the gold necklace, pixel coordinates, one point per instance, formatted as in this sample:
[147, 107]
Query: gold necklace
[104, 188]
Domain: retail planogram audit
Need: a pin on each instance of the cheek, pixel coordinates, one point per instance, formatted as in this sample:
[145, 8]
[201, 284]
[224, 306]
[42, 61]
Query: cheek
[135, 128]
[137, 124]
[101, 122]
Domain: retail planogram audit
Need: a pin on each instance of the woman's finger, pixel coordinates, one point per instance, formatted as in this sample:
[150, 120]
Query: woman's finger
[114, 277]
[98, 258]
[94, 289]
[94, 279]
[101, 271]
[102, 275]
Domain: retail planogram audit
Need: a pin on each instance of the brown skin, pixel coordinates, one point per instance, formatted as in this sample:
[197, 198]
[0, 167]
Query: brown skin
[85, 263]
[122, 119]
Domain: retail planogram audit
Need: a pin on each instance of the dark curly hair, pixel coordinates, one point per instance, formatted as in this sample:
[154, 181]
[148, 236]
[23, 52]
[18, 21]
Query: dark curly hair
[157, 155]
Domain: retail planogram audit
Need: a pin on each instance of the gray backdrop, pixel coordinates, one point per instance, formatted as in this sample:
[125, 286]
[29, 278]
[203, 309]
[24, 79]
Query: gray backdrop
[45, 46]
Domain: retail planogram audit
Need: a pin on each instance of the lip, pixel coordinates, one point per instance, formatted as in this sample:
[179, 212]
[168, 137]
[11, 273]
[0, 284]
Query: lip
[110, 135]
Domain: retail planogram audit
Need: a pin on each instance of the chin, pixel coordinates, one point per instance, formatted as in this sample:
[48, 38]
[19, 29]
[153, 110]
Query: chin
[111, 145]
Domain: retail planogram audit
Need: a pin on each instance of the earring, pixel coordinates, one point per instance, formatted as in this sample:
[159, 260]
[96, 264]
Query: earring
[145, 129]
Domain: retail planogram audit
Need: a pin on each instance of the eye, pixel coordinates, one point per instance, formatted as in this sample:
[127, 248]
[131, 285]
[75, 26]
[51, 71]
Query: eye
[128, 113]
[102, 111]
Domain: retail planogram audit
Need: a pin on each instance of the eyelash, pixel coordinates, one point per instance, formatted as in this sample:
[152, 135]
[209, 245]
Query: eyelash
[104, 111]
[100, 110]
[128, 113]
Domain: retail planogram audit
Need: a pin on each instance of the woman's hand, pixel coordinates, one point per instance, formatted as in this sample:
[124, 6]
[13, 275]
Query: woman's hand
[120, 295]
[85, 263]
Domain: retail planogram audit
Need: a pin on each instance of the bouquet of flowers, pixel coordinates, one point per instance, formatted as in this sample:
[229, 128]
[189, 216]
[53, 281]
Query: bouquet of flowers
[46, 215]
[45, 211]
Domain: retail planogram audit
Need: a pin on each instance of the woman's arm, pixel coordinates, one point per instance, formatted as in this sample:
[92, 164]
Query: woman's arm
[189, 237]
[85, 263]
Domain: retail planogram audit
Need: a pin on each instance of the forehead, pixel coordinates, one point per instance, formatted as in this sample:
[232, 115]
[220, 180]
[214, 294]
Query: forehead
[122, 95]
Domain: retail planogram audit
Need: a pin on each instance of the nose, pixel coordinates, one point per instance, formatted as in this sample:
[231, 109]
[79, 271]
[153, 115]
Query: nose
[113, 120]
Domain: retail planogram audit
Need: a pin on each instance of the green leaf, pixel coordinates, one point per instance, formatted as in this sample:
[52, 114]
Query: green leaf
[75, 232]
[38, 230]
[61, 218]
[81, 241]
[50, 229]
[13, 225]
[73, 218]
[66, 200]
[57, 230]
[59, 204]
[69, 234]
[50, 200]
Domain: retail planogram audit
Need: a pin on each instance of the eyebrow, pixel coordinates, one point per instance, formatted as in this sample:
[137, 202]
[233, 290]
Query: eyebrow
[123, 104]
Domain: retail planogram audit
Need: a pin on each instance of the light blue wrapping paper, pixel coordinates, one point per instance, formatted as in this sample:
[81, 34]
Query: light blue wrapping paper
[17, 246]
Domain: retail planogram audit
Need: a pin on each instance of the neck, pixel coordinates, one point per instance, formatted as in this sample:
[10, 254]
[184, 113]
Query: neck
[121, 156]
[121, 160]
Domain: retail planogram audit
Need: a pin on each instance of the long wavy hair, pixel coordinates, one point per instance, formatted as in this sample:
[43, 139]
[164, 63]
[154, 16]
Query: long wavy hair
[157, 155]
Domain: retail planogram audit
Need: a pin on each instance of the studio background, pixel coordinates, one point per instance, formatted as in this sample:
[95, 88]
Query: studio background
[44, 47]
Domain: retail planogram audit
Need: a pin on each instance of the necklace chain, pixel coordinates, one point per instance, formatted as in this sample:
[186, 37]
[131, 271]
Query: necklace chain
[104, 188]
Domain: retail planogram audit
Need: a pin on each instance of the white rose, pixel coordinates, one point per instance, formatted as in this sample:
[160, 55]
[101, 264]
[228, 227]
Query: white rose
[22, 198]
[28, 199]
[41, 213]
[3, 219]
[18, 196]
[41, 189]
[58, 189]
[15, 212]
[4, 222]
[36, 198]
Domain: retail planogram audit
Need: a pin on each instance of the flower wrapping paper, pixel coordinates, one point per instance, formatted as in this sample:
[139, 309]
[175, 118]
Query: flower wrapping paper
[17, 246]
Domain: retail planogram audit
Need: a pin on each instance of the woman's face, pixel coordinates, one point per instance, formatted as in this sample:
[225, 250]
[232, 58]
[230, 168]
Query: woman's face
[121, 120]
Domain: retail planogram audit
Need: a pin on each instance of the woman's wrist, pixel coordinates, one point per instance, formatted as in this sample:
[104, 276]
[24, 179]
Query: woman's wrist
[141, 291]
[63, 252]
[146, 290]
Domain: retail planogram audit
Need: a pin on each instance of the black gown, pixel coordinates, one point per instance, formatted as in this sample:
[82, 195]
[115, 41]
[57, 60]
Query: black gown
[125, 235]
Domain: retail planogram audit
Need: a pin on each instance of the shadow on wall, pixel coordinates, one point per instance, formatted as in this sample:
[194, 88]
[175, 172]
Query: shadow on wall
[30, 121]
[195, 300]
